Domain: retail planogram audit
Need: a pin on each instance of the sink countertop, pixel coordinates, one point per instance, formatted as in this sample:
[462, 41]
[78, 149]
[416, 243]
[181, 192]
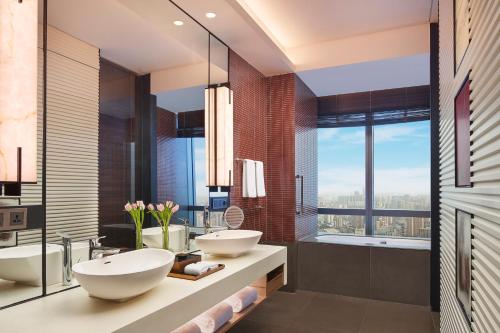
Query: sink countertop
[162, 309]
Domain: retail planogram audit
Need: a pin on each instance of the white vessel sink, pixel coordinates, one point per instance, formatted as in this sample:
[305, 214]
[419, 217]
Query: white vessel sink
[228, 242]
[153, 237]
[122, 276]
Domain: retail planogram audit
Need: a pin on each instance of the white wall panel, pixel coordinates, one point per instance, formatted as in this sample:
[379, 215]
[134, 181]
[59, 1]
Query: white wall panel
[482, 60]
[72, 139]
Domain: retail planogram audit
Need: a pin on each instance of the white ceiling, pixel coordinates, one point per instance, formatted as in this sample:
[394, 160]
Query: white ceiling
[182, 100]
[138, 35]
[373, 75]
[295, 23]
[280, 36]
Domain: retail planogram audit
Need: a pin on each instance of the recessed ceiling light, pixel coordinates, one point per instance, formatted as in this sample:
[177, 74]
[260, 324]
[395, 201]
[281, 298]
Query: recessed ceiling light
[210, 15]
[178, 23]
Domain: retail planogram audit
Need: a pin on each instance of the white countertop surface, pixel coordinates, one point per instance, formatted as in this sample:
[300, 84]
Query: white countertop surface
[162, 309]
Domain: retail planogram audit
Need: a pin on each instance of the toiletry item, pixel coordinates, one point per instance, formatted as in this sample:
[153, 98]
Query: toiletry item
[200, 267]
[248, 179]
[242, 299]
[259, 179]
[189, 327]
[213, 319]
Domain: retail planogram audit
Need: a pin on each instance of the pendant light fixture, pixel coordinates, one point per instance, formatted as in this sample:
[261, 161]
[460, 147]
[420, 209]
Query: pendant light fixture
[18, 93]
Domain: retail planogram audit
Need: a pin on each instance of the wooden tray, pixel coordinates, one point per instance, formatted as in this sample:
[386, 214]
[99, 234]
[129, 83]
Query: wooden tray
[195, 277]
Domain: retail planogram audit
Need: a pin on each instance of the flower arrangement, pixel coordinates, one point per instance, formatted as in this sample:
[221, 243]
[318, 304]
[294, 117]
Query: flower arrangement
[136, 211]
[162, 214]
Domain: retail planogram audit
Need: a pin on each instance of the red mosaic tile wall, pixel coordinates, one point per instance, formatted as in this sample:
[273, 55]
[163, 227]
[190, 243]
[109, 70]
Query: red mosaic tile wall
[166, 162]
[275, 122]
[281, 157]
[306, 157]
[250, 89]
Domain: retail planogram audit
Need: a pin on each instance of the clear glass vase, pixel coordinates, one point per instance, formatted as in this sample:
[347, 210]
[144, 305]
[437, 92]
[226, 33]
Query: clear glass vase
[165, 238]
[138, 238]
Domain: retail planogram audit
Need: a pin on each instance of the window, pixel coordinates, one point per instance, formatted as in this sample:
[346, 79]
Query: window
[375, 180]
[401, 171]
[342, 182]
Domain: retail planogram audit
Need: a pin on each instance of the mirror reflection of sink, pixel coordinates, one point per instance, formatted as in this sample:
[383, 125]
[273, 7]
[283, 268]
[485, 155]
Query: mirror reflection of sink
[230, 243]
[153, 237]
[122, 276]
[23, 263]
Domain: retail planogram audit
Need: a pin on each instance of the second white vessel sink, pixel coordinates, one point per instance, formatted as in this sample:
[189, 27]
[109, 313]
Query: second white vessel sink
[153, 237]
[228, 242]
[122, 276]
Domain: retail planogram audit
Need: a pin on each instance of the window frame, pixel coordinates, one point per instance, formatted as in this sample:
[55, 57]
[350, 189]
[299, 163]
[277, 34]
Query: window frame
[369, 211]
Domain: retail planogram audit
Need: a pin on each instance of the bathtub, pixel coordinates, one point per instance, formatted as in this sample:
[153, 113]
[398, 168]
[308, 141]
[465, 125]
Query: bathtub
[23, 264]
[382, 268]
[397, 243]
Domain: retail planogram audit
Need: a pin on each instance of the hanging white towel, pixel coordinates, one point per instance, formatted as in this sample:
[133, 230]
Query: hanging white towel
[259, 179]
[248, 179]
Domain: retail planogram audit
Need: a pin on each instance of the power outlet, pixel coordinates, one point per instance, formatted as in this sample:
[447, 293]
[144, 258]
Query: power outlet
[16, 218]
[13, 218]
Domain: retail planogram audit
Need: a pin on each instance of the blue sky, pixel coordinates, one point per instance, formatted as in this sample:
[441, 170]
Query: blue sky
[401, 159]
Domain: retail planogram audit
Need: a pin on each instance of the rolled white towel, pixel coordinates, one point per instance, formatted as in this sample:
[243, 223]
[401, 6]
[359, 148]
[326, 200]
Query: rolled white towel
[242, 299]
[213, 319]
[189, 327]
[199, 267]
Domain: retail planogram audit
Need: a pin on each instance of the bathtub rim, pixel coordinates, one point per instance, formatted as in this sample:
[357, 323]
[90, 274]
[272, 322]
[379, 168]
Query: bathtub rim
[314, 239]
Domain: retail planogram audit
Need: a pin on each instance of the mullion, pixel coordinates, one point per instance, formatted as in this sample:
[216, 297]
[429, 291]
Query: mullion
[369, 180]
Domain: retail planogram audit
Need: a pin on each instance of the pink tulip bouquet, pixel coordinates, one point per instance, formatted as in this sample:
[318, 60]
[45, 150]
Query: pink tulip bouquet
[136, 211]
[162, 214]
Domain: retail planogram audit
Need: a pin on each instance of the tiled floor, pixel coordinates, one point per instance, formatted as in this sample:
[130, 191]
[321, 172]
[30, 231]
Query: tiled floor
[308, 312]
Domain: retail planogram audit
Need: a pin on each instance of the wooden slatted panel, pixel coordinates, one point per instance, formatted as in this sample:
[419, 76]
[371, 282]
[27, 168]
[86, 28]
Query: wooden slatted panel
[483, 199]
[72, 140]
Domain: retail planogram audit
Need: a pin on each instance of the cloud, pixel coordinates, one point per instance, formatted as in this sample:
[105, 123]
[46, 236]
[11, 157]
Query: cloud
[395, 181]
[382, 133]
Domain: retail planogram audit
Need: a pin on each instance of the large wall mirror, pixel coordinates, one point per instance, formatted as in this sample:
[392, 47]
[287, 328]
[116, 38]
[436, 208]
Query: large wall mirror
[125, 101]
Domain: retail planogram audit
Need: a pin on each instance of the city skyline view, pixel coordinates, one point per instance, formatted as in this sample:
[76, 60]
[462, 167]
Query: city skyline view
[401, 171]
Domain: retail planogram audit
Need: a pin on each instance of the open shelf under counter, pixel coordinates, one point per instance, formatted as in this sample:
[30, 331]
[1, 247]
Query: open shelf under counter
[162, 309]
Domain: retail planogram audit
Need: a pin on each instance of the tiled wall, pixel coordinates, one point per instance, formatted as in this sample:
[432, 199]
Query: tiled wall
[250, 89]
[281, 157]
[306, 157]
[166, 162]
[275, 122]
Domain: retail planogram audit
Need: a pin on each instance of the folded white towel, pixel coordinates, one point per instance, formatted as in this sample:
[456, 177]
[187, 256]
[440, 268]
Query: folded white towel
[189, 327]
[248, 179]
[214, 318]
[259, 179]
[199, 267]
[242, 299]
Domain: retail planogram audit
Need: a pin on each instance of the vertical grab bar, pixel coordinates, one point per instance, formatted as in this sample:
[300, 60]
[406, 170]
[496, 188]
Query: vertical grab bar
[301, 210]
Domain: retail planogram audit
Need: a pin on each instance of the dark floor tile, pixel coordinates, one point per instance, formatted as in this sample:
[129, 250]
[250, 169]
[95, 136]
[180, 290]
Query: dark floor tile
[332, 313]
[250, 326]
[387, 317]
[281, 308]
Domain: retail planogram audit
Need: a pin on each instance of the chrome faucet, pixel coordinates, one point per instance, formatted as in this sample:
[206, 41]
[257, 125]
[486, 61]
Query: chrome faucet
[206, 219]
[67, 273]
[186, 233]
[96, 250]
